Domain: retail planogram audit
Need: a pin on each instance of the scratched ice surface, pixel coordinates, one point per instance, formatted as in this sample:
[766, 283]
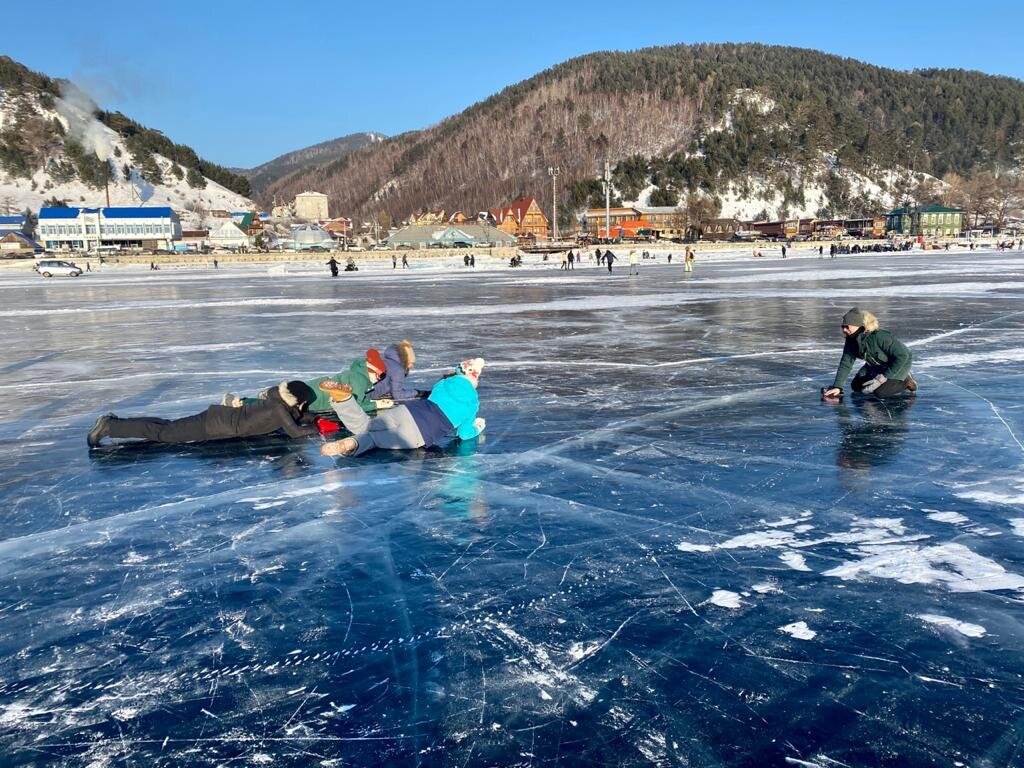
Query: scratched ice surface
[666, 551]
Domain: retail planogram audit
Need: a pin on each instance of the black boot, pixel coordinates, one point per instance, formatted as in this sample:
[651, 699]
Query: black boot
[99, 430]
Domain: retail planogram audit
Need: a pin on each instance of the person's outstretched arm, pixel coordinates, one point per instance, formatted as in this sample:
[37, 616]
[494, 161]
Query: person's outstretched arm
[845, 365]
[287, 423]
[469, 430]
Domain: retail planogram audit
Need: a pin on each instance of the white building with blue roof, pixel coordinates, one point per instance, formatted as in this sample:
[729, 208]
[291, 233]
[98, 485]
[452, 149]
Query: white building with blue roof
[11, 224]
[85, 229]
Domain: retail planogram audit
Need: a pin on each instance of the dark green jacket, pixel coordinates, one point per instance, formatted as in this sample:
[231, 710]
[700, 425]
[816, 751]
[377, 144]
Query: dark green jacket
[880, 350]
[356, 377]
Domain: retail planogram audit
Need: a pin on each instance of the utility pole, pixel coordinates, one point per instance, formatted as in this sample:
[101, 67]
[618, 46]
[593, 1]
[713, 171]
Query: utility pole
[607, 182]
[553, 173]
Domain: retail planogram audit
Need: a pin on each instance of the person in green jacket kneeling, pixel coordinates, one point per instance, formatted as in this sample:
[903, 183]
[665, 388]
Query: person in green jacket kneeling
[887, 360]
[449, 412]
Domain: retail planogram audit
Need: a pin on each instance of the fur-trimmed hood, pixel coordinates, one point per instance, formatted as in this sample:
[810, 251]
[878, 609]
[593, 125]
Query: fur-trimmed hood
[297, 395]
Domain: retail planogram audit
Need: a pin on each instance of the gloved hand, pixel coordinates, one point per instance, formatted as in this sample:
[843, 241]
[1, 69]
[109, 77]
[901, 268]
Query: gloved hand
[480, 423]
[384, 403]
[873, 384]
[832, 393]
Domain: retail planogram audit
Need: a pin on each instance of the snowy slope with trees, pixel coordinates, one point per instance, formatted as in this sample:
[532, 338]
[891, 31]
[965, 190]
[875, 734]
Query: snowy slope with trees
[57, 146]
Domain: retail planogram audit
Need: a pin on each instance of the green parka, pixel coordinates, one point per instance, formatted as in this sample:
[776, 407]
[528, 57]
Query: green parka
[880, 350]
[356, 377]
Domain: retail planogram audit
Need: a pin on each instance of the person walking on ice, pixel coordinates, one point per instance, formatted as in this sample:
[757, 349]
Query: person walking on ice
[688, 260]
[449, 412]
[634, 263]
[887, 360]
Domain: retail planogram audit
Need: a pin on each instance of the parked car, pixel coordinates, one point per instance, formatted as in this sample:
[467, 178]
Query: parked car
[51, 267]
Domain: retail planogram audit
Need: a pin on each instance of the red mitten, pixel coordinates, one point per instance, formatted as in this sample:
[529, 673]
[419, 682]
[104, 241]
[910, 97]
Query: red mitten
[327, 427]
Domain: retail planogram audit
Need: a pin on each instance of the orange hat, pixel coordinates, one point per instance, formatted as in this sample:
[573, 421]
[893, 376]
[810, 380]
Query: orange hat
[375, 363]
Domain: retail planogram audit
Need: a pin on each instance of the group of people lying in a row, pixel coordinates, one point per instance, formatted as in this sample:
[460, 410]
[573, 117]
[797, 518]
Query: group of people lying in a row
[405, 418]
[409, 418]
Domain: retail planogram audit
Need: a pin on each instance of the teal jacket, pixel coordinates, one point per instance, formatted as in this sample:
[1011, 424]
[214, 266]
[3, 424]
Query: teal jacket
[458, 401]
[879, 349]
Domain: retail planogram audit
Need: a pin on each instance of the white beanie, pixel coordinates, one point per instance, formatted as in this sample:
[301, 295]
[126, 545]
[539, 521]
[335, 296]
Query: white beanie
[472, 369]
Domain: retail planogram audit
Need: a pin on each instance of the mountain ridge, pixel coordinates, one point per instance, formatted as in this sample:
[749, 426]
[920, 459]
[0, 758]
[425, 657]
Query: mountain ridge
[812, 131]
[265, 174]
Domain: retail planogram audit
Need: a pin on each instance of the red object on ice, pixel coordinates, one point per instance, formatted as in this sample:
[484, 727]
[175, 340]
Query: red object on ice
[327, 427]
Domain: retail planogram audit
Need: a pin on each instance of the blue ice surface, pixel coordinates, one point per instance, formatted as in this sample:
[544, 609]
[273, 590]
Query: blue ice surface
[602, 579]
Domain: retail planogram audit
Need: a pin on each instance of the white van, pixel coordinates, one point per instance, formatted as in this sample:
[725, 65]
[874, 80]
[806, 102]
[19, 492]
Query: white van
[51, 267]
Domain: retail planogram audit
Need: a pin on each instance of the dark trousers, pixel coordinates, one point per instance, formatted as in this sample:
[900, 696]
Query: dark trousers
[191, 429]
[890, 388]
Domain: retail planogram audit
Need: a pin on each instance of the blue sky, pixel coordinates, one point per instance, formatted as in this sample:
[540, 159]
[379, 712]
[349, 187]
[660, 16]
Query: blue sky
[244, 82]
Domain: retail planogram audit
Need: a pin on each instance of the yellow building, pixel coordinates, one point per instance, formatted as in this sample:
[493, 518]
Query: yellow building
[522, 218]
[595, 217]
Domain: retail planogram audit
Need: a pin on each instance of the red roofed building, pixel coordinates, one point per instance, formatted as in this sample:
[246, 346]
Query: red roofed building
[522, 218]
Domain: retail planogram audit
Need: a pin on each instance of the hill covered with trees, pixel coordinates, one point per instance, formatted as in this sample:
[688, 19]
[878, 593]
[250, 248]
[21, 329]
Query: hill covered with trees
[54, 138]
[713, 121]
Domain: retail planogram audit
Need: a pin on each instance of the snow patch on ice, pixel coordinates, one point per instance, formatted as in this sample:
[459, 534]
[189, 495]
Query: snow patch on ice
[948, 517]
[954, 565]
[766, 588]
[994, 497]
[724, 598]
[1017, 524]
[794, 560]
[686, 546]
[963, 627]
[799, 630]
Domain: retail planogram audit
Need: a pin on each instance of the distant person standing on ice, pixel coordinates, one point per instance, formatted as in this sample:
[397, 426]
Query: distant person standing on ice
[634, 264]
[783, 250]
[394, 261]
[609, 258]
[405, 261]
[688, 261]
[333, 264]
[886, 369]
[565, 261]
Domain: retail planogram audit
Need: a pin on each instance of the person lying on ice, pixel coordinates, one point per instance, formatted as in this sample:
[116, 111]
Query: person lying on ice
[450, 411]
[886, 369]
[361, 376]
[285, 408]
[399, 359]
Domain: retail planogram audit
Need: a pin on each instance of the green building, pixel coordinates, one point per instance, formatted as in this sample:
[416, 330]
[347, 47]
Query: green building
[925, 220]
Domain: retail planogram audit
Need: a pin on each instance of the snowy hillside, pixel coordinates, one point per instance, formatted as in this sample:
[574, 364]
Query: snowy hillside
[758, 197]
[22, 112]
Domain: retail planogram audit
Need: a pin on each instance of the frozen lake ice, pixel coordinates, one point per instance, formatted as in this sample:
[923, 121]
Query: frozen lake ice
[664, 551]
